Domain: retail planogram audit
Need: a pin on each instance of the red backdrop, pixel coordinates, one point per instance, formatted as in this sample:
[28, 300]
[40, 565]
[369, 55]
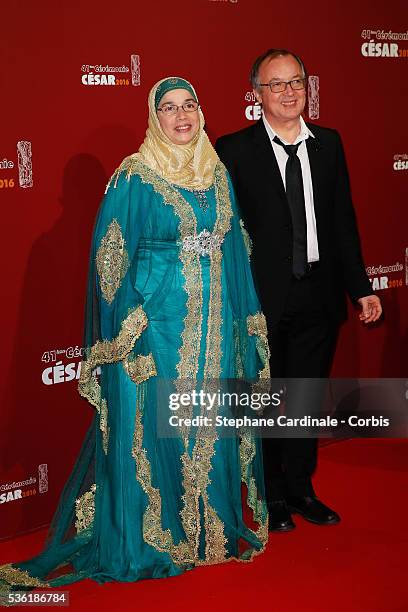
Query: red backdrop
[78, 132]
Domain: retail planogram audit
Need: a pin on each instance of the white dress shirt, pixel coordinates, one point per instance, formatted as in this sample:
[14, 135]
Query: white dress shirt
[281, 158]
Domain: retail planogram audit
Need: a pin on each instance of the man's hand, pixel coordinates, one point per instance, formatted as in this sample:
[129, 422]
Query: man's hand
[371, 308]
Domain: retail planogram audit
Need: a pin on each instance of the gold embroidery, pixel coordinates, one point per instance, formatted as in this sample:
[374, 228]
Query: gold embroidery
[247, 239]
[109, 351]
[260, 512]
[91, 390]
[195, 482]
[196, 468]
[215, 545]
[187, 366]
[224, 209]
[103, 425]
[140, 368]
[196, 479]
[125, 166]
[112, 261]
[215, 541]
[257, 324]
[212, 368]
[85, 509]
[257, 327]
[17, 577]
[153, 532]
[190, 513]
[240, 347]
[94, 397]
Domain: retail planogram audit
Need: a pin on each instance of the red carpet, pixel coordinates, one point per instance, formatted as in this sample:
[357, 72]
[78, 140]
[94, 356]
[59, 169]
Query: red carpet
[359, 565]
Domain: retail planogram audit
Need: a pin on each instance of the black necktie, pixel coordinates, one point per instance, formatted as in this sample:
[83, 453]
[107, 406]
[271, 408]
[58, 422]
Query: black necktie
[296, 201]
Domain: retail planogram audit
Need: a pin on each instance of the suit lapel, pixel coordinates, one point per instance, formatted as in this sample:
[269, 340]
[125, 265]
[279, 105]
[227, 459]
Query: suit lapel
[266, 163]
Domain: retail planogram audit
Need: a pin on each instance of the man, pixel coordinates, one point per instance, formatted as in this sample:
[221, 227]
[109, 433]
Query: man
[292, 185]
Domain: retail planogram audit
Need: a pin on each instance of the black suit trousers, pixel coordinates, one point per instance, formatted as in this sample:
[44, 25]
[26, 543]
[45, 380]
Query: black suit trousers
[302, 345]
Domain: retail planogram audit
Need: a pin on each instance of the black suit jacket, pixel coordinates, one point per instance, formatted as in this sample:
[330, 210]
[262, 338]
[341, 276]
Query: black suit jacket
[250, 160]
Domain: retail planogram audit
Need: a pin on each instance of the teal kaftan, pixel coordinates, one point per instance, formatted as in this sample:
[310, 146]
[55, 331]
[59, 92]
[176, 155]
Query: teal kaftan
[138, 505]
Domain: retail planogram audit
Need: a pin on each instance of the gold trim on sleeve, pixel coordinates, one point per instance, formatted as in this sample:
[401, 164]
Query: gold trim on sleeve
[110, 351]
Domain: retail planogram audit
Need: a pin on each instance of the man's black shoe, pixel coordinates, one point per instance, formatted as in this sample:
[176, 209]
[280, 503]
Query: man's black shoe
[313, 510]
[279, 516]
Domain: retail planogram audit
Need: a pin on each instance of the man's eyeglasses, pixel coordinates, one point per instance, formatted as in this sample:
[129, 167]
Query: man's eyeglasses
[172, 109]
[279, 86]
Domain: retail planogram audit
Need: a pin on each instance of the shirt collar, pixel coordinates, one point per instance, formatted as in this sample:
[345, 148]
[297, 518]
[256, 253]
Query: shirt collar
[303, 134]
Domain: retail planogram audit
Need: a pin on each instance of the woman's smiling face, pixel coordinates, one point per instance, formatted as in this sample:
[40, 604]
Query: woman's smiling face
[182, 126]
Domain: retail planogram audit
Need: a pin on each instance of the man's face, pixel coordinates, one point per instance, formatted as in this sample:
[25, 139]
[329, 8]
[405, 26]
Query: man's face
[287, 105]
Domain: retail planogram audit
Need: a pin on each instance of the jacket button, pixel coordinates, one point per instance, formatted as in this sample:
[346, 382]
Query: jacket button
[288, 258]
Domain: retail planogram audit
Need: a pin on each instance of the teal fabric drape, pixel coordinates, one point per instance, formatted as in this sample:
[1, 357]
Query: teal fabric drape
[138, 505]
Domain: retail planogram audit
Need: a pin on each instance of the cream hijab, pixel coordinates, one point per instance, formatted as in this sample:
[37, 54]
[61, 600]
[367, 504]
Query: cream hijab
[191, 165]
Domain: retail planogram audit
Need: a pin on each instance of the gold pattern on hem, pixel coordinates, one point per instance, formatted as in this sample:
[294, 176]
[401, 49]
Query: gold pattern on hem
[85, 509]
[260, 512]
[256, 325]
[110, 351]
[112, 261]
[17, 577]
[140, 368]
[153, 533]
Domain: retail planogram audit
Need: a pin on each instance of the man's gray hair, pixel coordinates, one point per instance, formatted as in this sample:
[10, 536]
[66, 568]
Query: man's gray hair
[271, 54]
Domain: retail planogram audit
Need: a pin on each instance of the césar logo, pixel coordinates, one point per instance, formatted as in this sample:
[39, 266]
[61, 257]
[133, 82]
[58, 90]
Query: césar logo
[373, 49]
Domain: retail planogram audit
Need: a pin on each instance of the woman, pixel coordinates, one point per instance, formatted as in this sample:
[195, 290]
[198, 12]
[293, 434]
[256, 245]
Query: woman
[170, 297]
